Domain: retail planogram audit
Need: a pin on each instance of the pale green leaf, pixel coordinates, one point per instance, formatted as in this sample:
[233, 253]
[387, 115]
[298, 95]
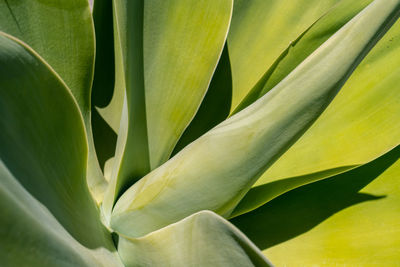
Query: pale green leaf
[216, 170]
[202, 239]
[169, 53]
[31, 236]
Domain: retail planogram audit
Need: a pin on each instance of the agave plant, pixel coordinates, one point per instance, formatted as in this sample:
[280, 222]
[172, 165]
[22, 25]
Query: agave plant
[199, 118]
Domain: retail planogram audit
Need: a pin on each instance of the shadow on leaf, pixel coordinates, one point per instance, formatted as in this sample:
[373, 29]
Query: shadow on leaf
[215, 105]
[300, 210]
[105, 139]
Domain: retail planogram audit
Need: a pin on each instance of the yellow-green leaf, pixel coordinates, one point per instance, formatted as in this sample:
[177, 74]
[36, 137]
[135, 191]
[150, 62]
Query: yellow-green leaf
[216, 170]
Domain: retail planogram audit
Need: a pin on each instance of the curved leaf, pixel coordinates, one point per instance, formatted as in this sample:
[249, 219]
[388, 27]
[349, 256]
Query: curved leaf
[216, 170]
[365, 112]
[203, 239]
[303, 46]
[62, 33]
[260, 31]
[350, 219]
[47, 150]
[67, 44]
[215, 106]
[44, 242]
[169, 53]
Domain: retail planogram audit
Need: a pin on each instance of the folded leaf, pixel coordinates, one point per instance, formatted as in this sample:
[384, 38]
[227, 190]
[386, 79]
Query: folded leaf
[350, 219]
[169, 51]
[216, 170]
[202, 239]
[43, 142]
[215, 106]
[303, 46]
[31, 236]
[260, 31]
[62, 33]
[365, 112]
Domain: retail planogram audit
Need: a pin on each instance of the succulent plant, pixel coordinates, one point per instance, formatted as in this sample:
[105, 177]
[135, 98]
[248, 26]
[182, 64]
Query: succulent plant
[154, 141]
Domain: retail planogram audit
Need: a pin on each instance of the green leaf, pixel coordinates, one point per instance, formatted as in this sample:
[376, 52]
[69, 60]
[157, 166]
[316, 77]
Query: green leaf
[303, 46]
[216, 170]
[62, 33]
[203, 239]
[31, 236]
[215, 106]
[260, 31]
[351, 219]
[180, 58]
[365, 112]
[43, 142]
[169, 53]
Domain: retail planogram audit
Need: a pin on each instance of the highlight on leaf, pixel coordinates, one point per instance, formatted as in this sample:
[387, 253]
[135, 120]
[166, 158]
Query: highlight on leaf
[199, 132]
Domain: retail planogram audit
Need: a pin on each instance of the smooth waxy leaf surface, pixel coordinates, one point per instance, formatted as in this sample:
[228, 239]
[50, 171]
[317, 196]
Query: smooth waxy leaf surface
[43, 142]
[350, 219]
[31, 236]
[215, 171]
[62, 33]
[306, 43]
[179, 59]
[203, 239]
[215, 106]
[169, 53]
[260, 31]
[365, 112]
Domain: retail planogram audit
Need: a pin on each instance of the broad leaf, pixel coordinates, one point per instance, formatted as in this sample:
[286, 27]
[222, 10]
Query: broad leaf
[216, 170]
[261, 30]
[303, 46]
[202, 239]
[62, 33]
[169, 53]
[31, 236]
[43, 142]
[365, 112]
[215, 106]
[350, 219]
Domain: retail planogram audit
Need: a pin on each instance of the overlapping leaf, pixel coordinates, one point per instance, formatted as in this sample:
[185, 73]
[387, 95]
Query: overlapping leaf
[31, 236]
[62, 33]
[364, 112]
[215, 171]
[47, 150]
[349, 219]
[202, 239]
[260, 31]
[169, 52]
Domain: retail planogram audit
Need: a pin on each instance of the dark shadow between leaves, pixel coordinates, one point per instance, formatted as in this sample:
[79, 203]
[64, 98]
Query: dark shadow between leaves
[300, 210]
[215, 106]
[105, 139]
